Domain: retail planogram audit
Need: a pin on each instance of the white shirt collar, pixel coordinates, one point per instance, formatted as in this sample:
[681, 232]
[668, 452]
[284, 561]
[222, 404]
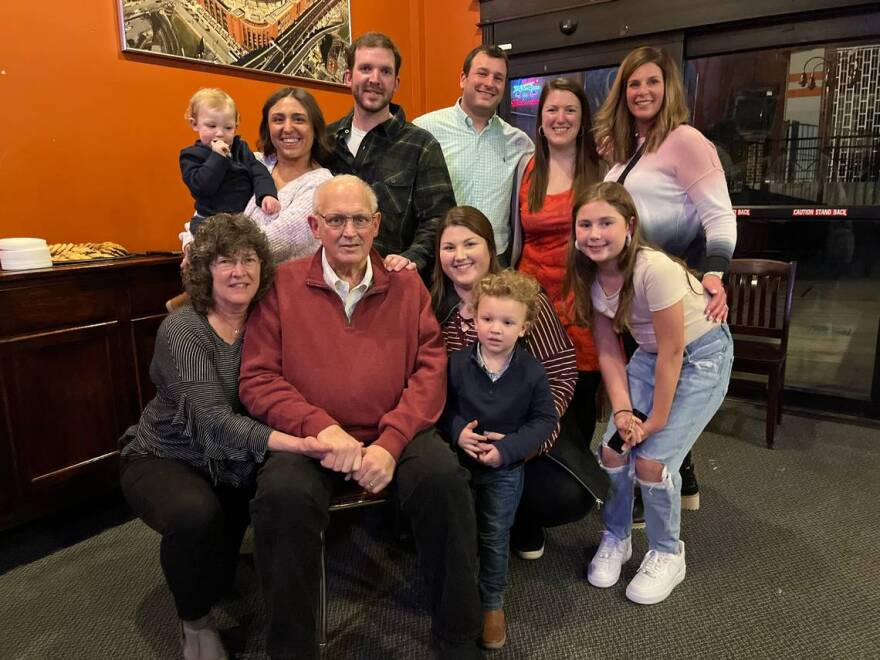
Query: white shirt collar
[337, 283]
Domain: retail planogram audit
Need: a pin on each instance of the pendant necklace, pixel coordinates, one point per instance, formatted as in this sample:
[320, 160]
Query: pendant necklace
[235, 331]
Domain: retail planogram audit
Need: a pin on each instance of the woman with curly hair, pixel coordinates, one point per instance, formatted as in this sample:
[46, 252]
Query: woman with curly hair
[188, 466]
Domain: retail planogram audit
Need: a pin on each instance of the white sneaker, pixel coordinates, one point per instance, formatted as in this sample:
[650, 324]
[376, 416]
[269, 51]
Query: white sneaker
[202, 644]
[604, 570]
[658, 575]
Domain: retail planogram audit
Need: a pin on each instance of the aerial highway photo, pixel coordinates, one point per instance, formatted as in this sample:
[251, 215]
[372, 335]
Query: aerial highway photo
[302, 38]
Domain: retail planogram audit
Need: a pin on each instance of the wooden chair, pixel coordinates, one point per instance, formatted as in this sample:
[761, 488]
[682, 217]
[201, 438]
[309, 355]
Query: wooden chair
[759, 293]
[348, 499]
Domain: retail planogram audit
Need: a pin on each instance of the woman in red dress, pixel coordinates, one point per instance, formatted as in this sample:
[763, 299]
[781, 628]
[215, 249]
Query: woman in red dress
[564, 164]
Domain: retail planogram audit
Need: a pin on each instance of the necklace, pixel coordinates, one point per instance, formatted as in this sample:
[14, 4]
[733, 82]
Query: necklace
[236, 331]
[613, 282]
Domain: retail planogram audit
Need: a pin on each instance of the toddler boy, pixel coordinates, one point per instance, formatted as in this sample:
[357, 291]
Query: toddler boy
[499, 410]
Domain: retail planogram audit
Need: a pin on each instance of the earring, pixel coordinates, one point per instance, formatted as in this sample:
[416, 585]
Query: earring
[541, 131]
[629, 239]
[576, 246]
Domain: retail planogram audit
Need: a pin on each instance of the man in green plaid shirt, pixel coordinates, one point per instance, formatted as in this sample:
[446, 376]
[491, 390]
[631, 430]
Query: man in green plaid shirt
[403, 163]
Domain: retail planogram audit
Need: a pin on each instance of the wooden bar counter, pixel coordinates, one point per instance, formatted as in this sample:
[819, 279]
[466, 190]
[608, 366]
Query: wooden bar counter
[75, 348]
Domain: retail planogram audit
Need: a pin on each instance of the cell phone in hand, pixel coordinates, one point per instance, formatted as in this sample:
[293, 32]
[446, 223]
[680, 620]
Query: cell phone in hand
[616, 441]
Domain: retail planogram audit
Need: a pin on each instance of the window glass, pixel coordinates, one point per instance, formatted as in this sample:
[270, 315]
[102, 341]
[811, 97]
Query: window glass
[796, 127]
[793, 127]
[800, 127]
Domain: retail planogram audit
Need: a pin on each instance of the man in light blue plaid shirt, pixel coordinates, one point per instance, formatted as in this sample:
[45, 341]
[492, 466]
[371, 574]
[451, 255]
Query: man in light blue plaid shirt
[481, 149]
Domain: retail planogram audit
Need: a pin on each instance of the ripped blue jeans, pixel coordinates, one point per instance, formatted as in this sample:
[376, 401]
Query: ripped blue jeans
[705, 374]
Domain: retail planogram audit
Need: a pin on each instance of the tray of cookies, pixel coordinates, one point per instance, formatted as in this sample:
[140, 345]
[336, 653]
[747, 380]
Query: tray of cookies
[72, 253]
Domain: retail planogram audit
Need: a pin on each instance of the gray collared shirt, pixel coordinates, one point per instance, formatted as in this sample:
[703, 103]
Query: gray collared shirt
[493, 375]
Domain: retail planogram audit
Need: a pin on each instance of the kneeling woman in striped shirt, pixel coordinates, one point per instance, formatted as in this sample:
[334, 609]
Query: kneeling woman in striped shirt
[188, 466]
[564, 481]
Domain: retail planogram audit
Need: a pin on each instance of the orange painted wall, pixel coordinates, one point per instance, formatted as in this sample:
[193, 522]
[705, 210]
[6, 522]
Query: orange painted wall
[450, 31]
[89, 136]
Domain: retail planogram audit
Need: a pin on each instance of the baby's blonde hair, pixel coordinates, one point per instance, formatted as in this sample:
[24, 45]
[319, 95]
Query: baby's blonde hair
[509, 284]
[209, 97]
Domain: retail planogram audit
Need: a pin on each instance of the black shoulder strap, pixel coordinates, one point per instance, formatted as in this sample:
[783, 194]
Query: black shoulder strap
[632, 163]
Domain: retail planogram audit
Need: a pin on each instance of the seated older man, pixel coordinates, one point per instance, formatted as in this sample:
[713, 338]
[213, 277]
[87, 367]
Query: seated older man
[343, 351]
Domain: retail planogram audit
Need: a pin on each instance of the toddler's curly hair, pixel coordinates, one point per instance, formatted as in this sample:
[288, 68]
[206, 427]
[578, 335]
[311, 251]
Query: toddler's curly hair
[509, 284]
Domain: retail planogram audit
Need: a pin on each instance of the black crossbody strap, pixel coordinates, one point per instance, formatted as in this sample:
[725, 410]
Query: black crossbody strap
[632, 163]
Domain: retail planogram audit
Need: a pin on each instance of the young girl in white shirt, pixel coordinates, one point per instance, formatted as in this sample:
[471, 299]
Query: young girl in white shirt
[677, 378]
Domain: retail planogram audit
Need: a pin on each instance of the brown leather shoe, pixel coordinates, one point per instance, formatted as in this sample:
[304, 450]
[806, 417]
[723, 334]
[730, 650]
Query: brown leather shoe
[494, 629]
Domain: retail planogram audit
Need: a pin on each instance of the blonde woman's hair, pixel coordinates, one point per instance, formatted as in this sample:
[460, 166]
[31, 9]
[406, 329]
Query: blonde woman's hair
[614, 128]
[509, 284]
[209, 97]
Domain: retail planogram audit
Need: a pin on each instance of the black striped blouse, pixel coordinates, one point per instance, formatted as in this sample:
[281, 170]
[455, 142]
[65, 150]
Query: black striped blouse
[546, 340]
[196, 415]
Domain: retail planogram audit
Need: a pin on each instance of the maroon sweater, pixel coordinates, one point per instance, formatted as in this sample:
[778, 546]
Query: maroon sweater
[304, 366]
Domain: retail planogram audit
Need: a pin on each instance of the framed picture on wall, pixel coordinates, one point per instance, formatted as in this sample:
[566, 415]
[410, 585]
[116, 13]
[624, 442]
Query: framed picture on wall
[299, 38]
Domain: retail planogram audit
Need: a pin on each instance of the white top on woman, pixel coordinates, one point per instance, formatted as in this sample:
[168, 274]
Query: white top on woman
[288, 231]
[658, 283]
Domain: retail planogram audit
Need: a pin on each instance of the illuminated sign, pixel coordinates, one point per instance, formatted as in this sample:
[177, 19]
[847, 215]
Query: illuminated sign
[819, 212]
[525, 92]
[794, 213]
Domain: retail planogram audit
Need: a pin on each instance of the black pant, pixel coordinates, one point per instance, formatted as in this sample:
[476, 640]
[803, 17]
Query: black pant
[551, 494]
[291, 509]
[201, 526]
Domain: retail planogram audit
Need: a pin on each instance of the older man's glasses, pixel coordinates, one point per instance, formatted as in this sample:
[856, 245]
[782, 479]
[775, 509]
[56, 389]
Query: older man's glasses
[337, 221]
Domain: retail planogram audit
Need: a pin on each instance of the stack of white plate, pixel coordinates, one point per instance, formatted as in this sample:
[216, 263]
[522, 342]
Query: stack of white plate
[24, 253]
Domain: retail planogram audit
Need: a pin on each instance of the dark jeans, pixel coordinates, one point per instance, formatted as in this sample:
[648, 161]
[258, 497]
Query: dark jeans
[201, 526]
[496, 496]
[551, 494]
[291, 510]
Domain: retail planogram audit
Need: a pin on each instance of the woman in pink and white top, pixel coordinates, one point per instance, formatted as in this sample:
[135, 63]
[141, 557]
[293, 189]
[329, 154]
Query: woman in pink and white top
[675, 177]
[677, 183]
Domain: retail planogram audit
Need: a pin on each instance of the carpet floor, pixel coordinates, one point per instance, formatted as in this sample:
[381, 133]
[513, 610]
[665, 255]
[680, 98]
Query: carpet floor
[782, 562]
